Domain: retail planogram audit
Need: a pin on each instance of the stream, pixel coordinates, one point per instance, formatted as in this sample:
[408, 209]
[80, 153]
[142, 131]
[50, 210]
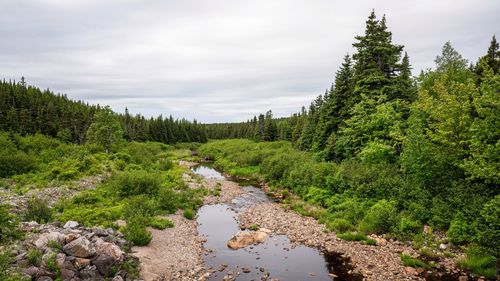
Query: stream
[276, 257]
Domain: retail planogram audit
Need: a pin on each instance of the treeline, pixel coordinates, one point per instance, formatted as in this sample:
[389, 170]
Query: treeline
[429, 145]
[375, 106]
[28, 110]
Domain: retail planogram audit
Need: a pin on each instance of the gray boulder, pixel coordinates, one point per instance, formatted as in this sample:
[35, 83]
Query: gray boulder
[81, 248]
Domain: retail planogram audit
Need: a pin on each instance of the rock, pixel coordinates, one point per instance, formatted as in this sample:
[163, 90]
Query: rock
[43, 239]
[265, 230]
[90, 273]
[71, 224]
[70, 237]
[245, 270]
[411, 271]
[104, 264]
[110, 249]
[427, 229]
[67, 270]
[81, 262]
[44, 278]
[80, 247]
[380, 241]
[118, 278]
[245, 238]
[120, 223]
[31, 271]
[463, 278]
[443, 246]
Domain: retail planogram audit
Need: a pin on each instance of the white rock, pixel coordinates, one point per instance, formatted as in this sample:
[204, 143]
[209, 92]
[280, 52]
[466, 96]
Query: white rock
[71, 224]
[443, 246]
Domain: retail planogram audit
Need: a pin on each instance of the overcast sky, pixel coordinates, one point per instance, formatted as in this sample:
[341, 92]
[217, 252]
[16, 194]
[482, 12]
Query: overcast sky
[218, 61]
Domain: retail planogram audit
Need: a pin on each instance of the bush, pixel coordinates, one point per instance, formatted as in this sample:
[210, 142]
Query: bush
[413, 262]
[135, 231]
[164, 164]
[407, 228]
[168, 200]
[460, 232]
[161, 223]
[139, 206]
[339, 225]
[38, 210]
[479, 262]
[380, 218]
[14, 163]
[189, 214]
[8, 225]
[375, 152]
[135, 183]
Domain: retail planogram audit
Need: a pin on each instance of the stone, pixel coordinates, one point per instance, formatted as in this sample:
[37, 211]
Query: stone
[118, 278]
[81, 248]
[110, 249]
[245, 238]
[90, 273]
[120, 223]
[463, 278]
[443, 246]
[71, 224]
[31, 271]
[67, 270]
[81, 262]
[44, 278]
[104, 264]
[43, 239]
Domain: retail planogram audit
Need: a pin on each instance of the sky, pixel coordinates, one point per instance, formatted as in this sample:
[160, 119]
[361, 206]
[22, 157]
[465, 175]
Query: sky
[218, 60]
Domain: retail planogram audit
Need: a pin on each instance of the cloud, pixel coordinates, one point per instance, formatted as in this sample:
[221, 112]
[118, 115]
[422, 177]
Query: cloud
[216, 60]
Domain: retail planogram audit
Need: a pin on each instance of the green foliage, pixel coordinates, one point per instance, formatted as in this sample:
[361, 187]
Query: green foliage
[479, 263]
[135, 183]
[8, 225]
[7, 271]
[189, 214]
[140, 205]
[105, 130]
[407, 227]
[254, 227]
[135, 231]
[352, 236]
[460, 232]
[339, 225]
[413, 262]
[380, 218]
[34, 256]
[38, 210]
[160, 223]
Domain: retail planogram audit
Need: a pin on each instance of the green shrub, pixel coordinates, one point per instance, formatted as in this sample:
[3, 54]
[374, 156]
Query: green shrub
[339, 225]
[168, 200]
[38, 210]
[135, 183]
[371, 242]
[413, 262]
[8, 225]
[34, 256]
[160, 223]
[135, 231]
[479, 262]
[140, 206]
[375, 152]
[17, 162]
[189, 214]
[460, 232]
[380, 218]
[254, 227]
[407, 228]
[7, 271]
[164, 164]
[488, 226]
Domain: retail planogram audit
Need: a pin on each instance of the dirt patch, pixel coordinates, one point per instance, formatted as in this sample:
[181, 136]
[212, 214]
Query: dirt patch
[173, 253]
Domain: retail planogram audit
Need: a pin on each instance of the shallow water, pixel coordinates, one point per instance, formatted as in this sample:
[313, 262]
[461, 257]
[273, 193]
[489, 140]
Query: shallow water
[218, 223]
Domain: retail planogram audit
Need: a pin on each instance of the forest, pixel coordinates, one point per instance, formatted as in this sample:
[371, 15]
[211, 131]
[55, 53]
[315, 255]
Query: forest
[386, 152]
[380, 152]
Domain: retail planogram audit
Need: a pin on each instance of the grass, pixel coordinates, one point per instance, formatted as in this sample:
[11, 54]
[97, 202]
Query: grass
[479, 263]
[357, 236]
[189, 214]
[413, 262]
[34, 256]
[161, 223]
[254, 227]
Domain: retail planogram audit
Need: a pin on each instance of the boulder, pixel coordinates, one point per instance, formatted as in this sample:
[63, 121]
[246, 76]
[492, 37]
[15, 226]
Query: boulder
[443, 246]
[44, 278]
[81, 248]
[245, 238]
[44, 238]
[109, 249]
[31, 271]
[71, 224]
[90, 273]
